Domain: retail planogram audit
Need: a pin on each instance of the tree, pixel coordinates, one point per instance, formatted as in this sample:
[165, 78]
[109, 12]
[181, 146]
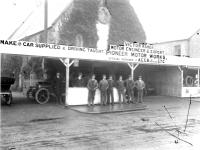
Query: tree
[125, 24]
[82, 20]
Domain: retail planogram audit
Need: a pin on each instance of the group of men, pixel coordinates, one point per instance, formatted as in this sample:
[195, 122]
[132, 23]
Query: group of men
[125, 90]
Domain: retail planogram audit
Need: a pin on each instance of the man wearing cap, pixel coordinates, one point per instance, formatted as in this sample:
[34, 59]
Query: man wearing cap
[110, 90]
[130, 89]
[103, 86]
[92, 86]
[140, 85]
[121, 89]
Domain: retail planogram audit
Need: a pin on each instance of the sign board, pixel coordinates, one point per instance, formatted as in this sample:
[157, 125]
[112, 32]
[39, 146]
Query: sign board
[137, 52]
[76, 63]
[129, 52]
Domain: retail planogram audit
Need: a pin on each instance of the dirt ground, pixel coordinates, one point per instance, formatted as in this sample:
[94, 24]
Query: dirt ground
[27, 125]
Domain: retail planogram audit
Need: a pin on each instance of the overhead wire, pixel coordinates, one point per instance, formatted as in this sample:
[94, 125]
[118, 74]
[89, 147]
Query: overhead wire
[24, 22]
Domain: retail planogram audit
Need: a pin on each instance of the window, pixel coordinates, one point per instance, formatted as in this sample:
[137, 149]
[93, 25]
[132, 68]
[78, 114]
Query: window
[177, 50]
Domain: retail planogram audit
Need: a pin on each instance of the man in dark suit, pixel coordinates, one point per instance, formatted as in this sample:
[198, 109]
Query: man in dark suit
[92, 86]
[140, 85]
[58, 86]
[130, 89]
[103, 86]
[111, 84]
[121, 90]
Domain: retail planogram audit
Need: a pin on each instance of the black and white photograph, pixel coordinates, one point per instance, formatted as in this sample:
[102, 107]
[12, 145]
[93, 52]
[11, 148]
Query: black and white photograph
[100, 74]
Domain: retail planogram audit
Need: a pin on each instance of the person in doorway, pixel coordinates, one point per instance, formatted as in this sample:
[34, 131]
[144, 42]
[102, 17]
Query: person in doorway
[79, 82]
[111, 84]
[130, 84]
[121, 90]
[92, 86]
[58, 86]
[103, 86]
[140, 85]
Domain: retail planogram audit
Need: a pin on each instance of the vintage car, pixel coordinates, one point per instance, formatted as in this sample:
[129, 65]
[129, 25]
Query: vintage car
[6, 93]
[42, 92]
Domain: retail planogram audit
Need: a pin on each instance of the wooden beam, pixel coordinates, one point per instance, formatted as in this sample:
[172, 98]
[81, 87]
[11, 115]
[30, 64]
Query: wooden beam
[198, 77]
[181, 70]
[132, 66]
[71, 63]
[67, 64]
[67, 81]
[63, 61]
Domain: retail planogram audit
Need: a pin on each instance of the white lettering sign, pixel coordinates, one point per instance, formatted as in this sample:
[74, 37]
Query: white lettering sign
[129, 52]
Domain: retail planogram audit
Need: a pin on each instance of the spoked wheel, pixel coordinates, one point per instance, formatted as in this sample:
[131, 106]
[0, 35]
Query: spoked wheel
[9, 99]
[42, 96]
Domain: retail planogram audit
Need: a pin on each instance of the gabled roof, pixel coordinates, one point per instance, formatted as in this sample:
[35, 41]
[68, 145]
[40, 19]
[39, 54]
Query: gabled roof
[197, 32]
[187, 39]
[35, 22]
[170, 41]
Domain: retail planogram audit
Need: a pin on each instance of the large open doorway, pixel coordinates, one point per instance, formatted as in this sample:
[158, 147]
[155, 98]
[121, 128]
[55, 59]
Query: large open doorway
[160, 79]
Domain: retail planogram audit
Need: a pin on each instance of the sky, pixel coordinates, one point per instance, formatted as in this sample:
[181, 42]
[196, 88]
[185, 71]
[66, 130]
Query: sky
[167, 20]
[162, 20]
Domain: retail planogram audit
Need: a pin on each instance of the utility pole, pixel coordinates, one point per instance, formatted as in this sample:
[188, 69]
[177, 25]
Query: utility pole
[45, 30]
[45, 20]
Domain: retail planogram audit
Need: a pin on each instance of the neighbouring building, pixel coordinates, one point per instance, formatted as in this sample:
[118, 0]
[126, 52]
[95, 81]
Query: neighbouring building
[190, 48]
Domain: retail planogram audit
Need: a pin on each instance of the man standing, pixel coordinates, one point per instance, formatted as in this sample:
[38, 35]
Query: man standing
[103, 86]
[58, 86]
[110, 90]
[121, 89]
[140, 85]
[130, 89]
[92, 86]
